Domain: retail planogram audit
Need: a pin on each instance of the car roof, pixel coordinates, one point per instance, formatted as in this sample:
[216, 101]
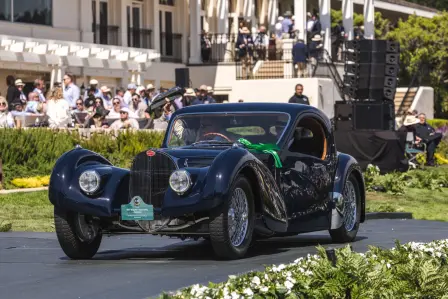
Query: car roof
[292, 109]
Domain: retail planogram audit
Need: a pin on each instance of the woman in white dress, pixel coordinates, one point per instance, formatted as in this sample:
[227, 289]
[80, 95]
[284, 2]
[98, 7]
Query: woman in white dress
[58, 109]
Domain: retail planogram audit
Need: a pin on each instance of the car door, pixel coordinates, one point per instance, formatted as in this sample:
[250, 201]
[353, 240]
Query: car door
[306, 179]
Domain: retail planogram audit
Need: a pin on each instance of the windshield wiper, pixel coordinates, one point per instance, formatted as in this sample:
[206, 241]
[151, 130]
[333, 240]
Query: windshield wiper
[210, 142]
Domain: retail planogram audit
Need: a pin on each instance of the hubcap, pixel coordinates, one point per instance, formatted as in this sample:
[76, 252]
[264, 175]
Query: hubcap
[349, 211]
[237, 217]
[86, 228]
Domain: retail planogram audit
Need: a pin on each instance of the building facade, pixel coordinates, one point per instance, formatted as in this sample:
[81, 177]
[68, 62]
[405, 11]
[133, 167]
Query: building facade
[144, 41]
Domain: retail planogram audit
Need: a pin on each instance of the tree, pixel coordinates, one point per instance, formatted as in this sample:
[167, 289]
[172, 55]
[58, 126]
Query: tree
[424, 40]
[437, 4]
[381, 25]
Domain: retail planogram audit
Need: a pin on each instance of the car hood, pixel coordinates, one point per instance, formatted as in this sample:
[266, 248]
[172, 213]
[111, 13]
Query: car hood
[194, 157]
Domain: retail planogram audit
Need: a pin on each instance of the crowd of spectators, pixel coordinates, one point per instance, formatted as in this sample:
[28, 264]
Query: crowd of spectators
[66, 105]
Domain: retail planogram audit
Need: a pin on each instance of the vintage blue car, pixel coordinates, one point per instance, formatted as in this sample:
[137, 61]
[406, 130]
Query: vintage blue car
[228, 173]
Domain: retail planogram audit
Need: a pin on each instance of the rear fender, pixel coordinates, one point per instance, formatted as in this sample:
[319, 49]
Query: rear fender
[346, 165]
[224, 170]
[64, 190]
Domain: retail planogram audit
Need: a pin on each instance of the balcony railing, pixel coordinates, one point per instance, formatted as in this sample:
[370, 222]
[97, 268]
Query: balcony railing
[139, 38]
[222, 48]
[106, 35]
[171, 47]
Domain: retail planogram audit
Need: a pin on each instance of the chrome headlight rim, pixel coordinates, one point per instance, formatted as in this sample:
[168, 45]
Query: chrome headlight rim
[97, 178]
[188, 178]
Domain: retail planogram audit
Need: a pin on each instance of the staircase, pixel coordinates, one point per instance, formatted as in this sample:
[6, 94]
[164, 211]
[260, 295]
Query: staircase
[402, 105]
[270, 69]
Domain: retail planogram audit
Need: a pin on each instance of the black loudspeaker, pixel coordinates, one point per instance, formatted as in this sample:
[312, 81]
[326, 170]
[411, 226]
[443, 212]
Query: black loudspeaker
[182, 77]
[374, 116]
[343, 116]
[373, 46]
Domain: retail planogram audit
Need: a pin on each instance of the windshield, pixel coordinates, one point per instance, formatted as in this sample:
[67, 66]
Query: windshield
[226, 128]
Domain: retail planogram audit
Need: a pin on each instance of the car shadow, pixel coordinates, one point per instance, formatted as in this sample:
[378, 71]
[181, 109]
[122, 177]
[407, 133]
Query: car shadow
[203, 251]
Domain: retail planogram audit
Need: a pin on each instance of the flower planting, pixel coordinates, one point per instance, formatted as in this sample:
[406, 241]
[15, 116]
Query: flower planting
[413, 270]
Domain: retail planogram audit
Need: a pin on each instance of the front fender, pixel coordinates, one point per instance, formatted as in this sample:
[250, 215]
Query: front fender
[64, 190]
[224, 170]
[346, 165]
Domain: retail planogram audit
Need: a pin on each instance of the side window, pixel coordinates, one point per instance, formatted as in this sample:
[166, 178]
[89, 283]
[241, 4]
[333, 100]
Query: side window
[309, 139]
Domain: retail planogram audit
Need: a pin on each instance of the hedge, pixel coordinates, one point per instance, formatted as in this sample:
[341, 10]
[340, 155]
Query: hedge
[33, 152]
[413, 270]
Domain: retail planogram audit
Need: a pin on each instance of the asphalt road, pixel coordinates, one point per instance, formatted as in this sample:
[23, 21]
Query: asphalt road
[32, 265]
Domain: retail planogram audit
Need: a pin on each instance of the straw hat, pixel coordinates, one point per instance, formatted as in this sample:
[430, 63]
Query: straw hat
[19, 82]
[93, 82]
[209, 89]
[204, 87]
[189, 93]
[149, 86]
[317, 38]
[105, 89]
[410, 120]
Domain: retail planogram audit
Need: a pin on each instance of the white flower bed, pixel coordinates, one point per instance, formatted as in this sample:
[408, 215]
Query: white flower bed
[417, 269]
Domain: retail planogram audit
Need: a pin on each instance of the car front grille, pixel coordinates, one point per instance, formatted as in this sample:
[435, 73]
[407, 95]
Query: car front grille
[149, 177]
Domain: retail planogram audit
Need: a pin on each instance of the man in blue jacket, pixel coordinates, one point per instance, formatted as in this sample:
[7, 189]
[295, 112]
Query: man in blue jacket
[300, 57]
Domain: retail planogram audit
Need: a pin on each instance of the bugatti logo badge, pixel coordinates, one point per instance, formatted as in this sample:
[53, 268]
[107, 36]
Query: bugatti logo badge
[136, 200]
[150, 153]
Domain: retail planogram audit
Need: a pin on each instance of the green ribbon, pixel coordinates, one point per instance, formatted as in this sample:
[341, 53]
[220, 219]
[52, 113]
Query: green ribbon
[269, 148]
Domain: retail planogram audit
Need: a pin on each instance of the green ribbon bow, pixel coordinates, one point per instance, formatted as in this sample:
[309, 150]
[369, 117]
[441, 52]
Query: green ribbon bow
[269, 148]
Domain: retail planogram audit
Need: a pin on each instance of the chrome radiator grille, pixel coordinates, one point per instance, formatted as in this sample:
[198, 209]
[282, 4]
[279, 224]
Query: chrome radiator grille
[149, 177]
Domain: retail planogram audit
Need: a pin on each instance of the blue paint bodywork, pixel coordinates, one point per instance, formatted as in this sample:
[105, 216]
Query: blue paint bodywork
[281, 204]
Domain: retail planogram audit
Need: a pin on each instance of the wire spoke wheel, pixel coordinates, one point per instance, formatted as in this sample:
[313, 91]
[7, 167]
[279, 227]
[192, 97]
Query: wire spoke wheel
[349, 212]
[237, 216]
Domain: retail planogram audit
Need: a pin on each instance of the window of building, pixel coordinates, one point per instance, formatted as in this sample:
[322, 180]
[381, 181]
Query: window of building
[25, 11]
[167, 2]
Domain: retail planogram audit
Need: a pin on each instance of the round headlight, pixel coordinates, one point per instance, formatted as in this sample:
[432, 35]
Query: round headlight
[180, 181]
[89, 181]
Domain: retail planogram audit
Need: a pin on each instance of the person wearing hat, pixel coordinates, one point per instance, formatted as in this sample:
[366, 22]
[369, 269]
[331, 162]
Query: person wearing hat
[245, 46]
[186, 100]
[315, 50]
[93, 90]
[203, 97]
[278, 28]
[429, 136]
[127, 98]
[210, 92]
[20, 85]
[125, 122]
[107, 97]
[151, 93]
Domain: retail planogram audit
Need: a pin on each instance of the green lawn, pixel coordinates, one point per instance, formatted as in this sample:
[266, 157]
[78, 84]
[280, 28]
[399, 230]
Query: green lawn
[31, 211]
[424, 204]
[27, 211]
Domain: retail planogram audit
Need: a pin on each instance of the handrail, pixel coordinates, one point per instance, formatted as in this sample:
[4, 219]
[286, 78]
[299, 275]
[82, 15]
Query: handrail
[333, 73]
[414, 77]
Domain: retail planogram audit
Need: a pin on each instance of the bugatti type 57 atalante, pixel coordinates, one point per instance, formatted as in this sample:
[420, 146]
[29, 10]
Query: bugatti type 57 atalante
[228, 173]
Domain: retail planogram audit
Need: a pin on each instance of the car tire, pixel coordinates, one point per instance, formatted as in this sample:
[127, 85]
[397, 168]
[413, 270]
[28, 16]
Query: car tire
[69, 240]
[220, 232]
[348, 230]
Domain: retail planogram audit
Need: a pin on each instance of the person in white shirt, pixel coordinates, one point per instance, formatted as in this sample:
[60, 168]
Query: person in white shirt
[125, 122]
[39, 89]
[6, 119]
[127, 98]
[107, 97]
[58, 109]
